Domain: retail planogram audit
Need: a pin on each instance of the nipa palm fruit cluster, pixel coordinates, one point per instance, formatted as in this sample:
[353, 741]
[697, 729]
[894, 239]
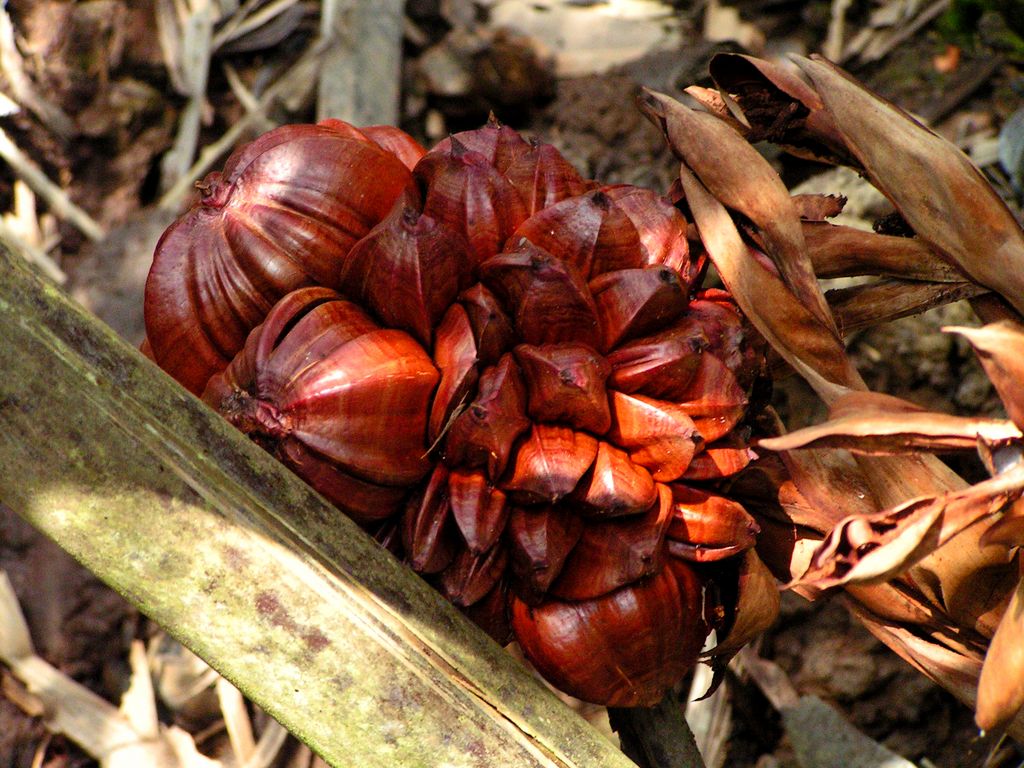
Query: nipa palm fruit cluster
[506, 373]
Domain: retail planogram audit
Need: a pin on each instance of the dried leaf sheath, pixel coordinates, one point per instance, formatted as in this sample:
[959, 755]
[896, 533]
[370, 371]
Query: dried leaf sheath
[911, 518]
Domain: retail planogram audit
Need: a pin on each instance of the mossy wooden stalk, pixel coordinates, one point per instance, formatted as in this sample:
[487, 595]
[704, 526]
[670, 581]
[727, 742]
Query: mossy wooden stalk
[248, 567]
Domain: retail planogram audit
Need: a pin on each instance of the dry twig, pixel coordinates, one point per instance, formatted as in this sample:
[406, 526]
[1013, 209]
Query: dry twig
[293, 78]
[55, 197]
[31, 254]
[189, 57]
[22, 88]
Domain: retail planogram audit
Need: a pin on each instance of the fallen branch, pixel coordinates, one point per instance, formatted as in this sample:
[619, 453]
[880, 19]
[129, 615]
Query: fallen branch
[231, 553]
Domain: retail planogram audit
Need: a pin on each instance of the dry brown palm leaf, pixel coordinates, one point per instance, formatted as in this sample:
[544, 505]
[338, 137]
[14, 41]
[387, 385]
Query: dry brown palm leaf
[939, 192]
[868, 548]
[1001, 686]
[779, 106]
[1000, 347]
[904, 533]
[881, 301]
[876, 423]
[874, 548]
[838, 251]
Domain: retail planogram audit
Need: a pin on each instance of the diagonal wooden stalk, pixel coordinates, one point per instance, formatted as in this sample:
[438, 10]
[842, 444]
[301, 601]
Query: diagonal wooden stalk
[658, 736]
[247, 566]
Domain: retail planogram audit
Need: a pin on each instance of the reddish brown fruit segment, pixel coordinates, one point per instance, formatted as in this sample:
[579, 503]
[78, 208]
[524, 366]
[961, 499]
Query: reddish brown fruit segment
[470, 577]
[455, 355]
[466, 194]
[661, 365]
[624, 649]
[612, 553]
[498, 144]
[565, 383]
[287, 209]
[484, 433]
[714, 399]
[344, 128]
[303, 328]
[696, 553]
[657, 434]
[397, 142]
[729, 338]
[718, 460]
[428, 545]
[492, 328]
[392, 140]
[548, 299]
[478, 507]
[407, 270]
[615, 485]
[321, 373]
[540, 539]
[706, 526]
[363, 406]
[542, 177]
[588, 231]
[662, 229]
[635, 302]
[549, 463]
[365, 502]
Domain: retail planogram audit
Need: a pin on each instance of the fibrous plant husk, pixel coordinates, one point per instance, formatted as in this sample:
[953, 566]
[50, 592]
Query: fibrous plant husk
[929, 563]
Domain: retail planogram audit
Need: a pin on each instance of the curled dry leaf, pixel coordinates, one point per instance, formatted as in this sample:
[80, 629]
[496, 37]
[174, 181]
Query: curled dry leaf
[779, 106]
[838, 251]
[869, 304]
[1008, 530]
[1001, 687]
[808, 484]
[737, 175]
[1000, 347]
[872, 548]
[875, 423]
[897, 601]
[757, 608]
[940, 193]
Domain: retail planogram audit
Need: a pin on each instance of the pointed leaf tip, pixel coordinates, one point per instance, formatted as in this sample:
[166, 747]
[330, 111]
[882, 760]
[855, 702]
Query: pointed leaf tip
[1000, 348]
[940, 193]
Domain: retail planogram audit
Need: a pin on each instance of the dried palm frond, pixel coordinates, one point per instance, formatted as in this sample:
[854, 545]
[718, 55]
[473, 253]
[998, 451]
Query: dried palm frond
[928, 562]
